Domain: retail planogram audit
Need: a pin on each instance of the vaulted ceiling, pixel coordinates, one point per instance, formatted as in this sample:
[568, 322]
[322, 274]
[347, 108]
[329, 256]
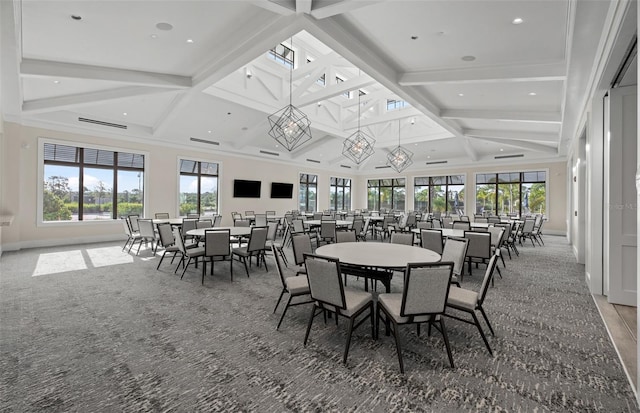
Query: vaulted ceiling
[478, 83]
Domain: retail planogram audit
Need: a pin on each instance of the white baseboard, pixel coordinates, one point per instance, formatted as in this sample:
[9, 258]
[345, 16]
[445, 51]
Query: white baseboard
[554, 232]
[54, 242]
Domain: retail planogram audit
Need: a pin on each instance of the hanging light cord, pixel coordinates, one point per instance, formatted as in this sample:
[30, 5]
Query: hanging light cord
[291, 76]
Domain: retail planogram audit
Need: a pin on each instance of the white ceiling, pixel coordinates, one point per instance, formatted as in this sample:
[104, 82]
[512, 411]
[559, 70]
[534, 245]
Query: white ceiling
[114, 60]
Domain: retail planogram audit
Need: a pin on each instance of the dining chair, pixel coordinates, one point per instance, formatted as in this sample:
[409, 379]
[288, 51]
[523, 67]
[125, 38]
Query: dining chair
[204, 223]
[168, 242]
[294, 286]
[346, 236]
[301, 244]
[272, 233]
[133, 222]
[447, 222]
[537, 229]
[464, 225]
[423, 300]
[455, 250]
[526, 231]
[436, 223]
[147, 234]
[479, 250]
[497, 235]
[470, 301]
[431, 239]
[217, 244]
[193, 216]
[405, 238]
[217, 221]
[187, 225]
[132, 237]
[329, 295]
[162, 215]
[254, 248]
[327, 231]
[188, 254]
[260, 220]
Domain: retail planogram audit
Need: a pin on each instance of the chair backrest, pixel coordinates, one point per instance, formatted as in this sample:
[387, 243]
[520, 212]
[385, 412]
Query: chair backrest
[188, 224]
[496, 235]
[481, 219]
[277, 258]
[257, 239]
[464, 218]
[527, 227]
[367, 223]
[298, 226]
[404, 238]
[358, 225]
[484, 287]
[270, 213]
[249, 213]
[162, 215]
[242, 223]
[204, 223]
[217, 221]
[431, 239]
[328, 229]
[538, 221]
[461, 225]
[493, 219]
[272, 230]
[193, 216]
[166, 235]
[447, 221]
[387, 220]
[261, 220]
[426, 288]
[177, 236]
[455, 250]
[127, 226]
[436, 223]
[236, 215]
[346, 236]
[325, 282]
[424, 225]
[411, 221]
[146, 228]
[301, 244]
[317, 215]
[479, 244]
[289, 218]
[133, 222]
[217, 242]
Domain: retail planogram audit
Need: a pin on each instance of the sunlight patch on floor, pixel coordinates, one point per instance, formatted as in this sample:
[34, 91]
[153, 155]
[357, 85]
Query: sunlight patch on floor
[102, 257]
[57, 262]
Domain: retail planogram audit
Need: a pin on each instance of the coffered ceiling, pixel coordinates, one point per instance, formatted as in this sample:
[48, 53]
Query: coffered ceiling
[481, 79]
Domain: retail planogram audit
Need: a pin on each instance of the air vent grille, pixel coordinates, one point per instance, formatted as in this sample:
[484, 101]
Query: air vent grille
[312, 160]
[345, 166]
[204, 141]
[383, 167]
[436, 162]
[509, 156]
[102, 123]
[270, 153]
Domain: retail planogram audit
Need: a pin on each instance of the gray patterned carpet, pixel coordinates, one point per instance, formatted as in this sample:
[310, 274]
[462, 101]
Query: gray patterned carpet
[91, 329]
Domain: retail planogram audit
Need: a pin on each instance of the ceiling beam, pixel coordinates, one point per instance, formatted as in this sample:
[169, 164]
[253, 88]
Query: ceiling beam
[383, 94]
[509, 116]
[311, 146]
[516, 73]
[393, 115]
[340, 7]
[323, 61]
[272, 7]
[46, 68]
[307, 82]
[303, 6]
[81, 99]
[513, 135]
[536, 147]
[336, 90]
[355, 115]
[10, 45]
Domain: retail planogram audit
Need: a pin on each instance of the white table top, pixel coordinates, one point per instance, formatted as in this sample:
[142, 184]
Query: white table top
[446, 232]
[377, 254]
[172, 221]
[317, 222]
[482, 224]
[235, 231]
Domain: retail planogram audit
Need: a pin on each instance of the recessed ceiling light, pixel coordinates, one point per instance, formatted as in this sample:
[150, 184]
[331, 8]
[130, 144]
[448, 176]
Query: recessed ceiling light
[532, 93]
[501, 150]
[468, 58]
[164, 26]
[415, 144]
[414, 37]
[461, 94]
[153, 36]
[245, 128]
[189, 40]
[76, 17]
[124, 113]
[208, 131]
[517, 20]
[428, 157]
[56, 81]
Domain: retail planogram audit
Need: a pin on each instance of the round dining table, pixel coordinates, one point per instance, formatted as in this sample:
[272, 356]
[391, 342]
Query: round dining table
[318, 222]
[234, 231]
[376, 259]
[172, 221]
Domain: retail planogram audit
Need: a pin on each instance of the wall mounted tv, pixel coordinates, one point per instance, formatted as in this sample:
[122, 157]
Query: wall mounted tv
[246, 189]
[281, 190]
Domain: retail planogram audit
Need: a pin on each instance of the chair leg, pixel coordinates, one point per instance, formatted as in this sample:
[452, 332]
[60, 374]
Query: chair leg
[244, 261]
[371, 315]
[487, 320]
[185, 267]
[396, 334]
[484, 338]
[313, 314]
[346, 346]
[161, 258]
[285, 311]
[279, 299]
[446, 341]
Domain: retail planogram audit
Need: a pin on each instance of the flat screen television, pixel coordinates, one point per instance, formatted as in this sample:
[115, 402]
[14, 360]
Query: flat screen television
[281, 190]
[246, 189]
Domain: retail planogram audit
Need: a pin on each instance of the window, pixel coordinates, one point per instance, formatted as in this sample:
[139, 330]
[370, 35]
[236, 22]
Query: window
[393, 104]
[340, 194]
[198, 187]
[386, 194]
[87, 184]
[439, 194]
[282, 54]
[308, 190]
[511, 193]
[341, 80]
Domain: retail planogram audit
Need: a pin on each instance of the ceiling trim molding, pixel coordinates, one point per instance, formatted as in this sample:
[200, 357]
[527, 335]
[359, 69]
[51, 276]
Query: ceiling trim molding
[513, 135]
[521, 144]
[341, 7]
[511, 116]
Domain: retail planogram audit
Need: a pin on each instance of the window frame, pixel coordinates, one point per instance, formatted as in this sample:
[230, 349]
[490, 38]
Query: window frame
[42, 140]
[446, 184]
[181, 158]
[306, 195]
[392, 187]
[520, 182]
[334, 189]
[290, 63]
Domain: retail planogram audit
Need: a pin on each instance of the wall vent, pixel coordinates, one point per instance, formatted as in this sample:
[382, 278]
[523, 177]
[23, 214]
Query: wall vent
[383, 167]
[509, 156]
[102, 123]
[204, 141]
[436, 162]
[270, 153]
[345, 166]
[312, 160]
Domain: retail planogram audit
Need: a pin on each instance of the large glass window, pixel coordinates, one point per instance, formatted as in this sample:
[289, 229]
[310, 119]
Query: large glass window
[386, 194]
[340, 194]
[308, 191]
[83, 184]
[511, 193]
[282, 54]
[198, 187]
[439, 194]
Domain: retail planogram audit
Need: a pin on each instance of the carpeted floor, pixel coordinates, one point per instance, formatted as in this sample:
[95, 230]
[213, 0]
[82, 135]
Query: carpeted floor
[91, 329]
